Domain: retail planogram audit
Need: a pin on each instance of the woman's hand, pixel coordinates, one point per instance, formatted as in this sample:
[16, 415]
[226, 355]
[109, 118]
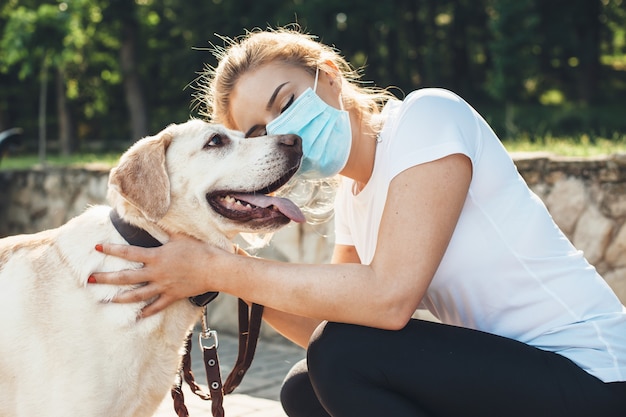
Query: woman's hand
[171, 272]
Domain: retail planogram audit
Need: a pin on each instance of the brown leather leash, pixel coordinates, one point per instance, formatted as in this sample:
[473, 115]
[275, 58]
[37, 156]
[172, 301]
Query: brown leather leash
[249, 330]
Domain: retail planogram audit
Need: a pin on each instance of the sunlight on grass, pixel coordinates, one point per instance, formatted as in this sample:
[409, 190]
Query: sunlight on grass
[582, 147]
[11, 162]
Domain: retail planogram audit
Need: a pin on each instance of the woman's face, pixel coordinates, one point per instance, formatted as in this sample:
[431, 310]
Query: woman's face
[259, 96]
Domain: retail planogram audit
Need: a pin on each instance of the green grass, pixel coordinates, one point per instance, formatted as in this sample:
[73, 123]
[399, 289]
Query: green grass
[578, 147]
[16, 162]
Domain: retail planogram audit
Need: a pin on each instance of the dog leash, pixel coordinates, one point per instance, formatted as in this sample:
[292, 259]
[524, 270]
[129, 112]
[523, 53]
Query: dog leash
[249, 329]
[250, 319]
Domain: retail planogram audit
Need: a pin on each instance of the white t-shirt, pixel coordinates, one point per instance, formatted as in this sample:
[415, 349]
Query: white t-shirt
[508, 270]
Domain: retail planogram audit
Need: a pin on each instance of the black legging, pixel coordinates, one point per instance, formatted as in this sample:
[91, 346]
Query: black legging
[435, 370]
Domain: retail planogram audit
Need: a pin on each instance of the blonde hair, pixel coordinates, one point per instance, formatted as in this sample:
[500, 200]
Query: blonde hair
[290, 46]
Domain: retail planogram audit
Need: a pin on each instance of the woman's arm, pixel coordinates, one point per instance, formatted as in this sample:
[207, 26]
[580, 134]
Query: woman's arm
[421, 212]
[299, 329]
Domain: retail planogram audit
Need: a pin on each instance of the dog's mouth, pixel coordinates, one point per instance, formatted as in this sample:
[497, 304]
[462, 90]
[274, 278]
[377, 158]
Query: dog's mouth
[256, 206]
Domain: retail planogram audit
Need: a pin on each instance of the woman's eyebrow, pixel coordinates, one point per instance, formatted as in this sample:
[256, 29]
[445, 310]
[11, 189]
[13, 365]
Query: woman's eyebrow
[270, 103]
[272, 99]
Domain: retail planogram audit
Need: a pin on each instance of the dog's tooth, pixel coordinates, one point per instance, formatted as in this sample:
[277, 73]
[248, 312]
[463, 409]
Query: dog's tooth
[229, 199]
[248, 206]
[238, 203]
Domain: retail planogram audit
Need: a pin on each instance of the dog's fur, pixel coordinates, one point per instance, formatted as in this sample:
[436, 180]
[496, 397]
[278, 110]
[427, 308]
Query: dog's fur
[65, 350]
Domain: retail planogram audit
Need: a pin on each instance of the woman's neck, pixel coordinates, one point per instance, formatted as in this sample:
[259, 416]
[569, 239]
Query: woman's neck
[363, 151]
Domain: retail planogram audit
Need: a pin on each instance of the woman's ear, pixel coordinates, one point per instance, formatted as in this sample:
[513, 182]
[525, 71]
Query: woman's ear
[330, 69]
[333, 73]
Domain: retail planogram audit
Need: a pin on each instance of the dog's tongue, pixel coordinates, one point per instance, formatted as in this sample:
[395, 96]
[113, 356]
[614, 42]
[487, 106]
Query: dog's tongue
[284, 205]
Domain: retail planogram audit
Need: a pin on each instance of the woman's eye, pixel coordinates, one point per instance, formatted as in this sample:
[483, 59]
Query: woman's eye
[215, 140]
[256, 132]
[289, 103]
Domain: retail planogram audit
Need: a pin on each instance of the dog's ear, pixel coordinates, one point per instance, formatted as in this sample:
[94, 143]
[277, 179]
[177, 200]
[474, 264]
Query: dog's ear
[141, 176]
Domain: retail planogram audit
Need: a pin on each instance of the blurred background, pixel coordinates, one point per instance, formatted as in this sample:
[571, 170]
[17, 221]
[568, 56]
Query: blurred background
[98, 74]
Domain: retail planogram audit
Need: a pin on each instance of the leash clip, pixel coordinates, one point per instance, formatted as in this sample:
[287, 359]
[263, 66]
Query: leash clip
[207, 334]
[211, 334]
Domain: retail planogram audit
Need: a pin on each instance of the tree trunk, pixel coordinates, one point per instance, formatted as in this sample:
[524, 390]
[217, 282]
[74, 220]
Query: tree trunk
[66, 137]
[588, 37]
[43, 98]
[458, 48]
[132, 85]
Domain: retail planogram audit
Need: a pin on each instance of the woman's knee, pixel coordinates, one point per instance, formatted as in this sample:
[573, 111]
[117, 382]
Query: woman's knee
[297, 396]
[334, 354]
[329, 342]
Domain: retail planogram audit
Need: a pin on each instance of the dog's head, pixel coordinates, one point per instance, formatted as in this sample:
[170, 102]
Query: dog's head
[197, 178]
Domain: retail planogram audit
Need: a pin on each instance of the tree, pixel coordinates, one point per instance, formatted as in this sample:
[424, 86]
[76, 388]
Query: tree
[128, 26]
[114, 70]
[48, 38]
[513, 25]
[31, 41]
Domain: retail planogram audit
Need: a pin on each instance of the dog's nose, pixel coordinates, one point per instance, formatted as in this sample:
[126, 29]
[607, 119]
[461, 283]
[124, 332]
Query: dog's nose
[290, 140]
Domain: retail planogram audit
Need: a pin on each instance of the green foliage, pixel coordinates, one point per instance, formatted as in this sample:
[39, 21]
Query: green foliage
[513, 26]
[31, 37]
[567, 54]
[535, 122]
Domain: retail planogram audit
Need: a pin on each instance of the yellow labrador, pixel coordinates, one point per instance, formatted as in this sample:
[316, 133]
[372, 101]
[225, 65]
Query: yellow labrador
[65, 350]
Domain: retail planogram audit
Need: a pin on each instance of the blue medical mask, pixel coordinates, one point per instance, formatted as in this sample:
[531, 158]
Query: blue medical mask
[325, 132]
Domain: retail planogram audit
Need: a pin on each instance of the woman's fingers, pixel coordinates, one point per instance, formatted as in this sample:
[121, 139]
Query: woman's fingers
[128, 252]
[171, 272]
[147, 292]
[123, 277]
[156, 306]
[137, 295]
[126, 276]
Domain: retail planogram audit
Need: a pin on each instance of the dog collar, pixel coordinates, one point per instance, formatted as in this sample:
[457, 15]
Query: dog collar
[137, 236]
[132, 234]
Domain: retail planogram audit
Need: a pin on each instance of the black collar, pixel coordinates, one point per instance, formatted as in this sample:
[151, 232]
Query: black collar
[134, 235]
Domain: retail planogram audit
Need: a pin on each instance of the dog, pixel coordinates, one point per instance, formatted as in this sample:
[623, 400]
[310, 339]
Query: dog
[65, 349]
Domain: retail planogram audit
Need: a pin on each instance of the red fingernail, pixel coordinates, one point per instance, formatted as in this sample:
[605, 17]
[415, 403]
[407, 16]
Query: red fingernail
[99, 247]
[91, 279]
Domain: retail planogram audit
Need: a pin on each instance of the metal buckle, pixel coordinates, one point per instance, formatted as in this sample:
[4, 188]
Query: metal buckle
[207, 333]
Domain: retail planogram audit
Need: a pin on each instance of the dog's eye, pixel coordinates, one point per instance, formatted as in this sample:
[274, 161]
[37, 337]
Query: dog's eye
[215, 140]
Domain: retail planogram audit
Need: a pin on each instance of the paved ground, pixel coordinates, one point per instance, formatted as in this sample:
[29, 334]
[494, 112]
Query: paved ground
[257, 396]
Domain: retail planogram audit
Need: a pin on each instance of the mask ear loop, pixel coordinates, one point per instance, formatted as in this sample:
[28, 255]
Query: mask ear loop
[317, 73]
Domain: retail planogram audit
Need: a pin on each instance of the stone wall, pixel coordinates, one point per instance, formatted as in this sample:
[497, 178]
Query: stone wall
[587, 198]
[39, 199]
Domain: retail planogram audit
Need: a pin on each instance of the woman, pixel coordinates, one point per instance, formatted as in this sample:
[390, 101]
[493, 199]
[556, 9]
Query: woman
[430, 212]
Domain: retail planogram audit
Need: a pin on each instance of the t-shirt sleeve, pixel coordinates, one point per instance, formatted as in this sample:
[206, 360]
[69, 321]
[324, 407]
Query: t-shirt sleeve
[428, 125]
[431, 124]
